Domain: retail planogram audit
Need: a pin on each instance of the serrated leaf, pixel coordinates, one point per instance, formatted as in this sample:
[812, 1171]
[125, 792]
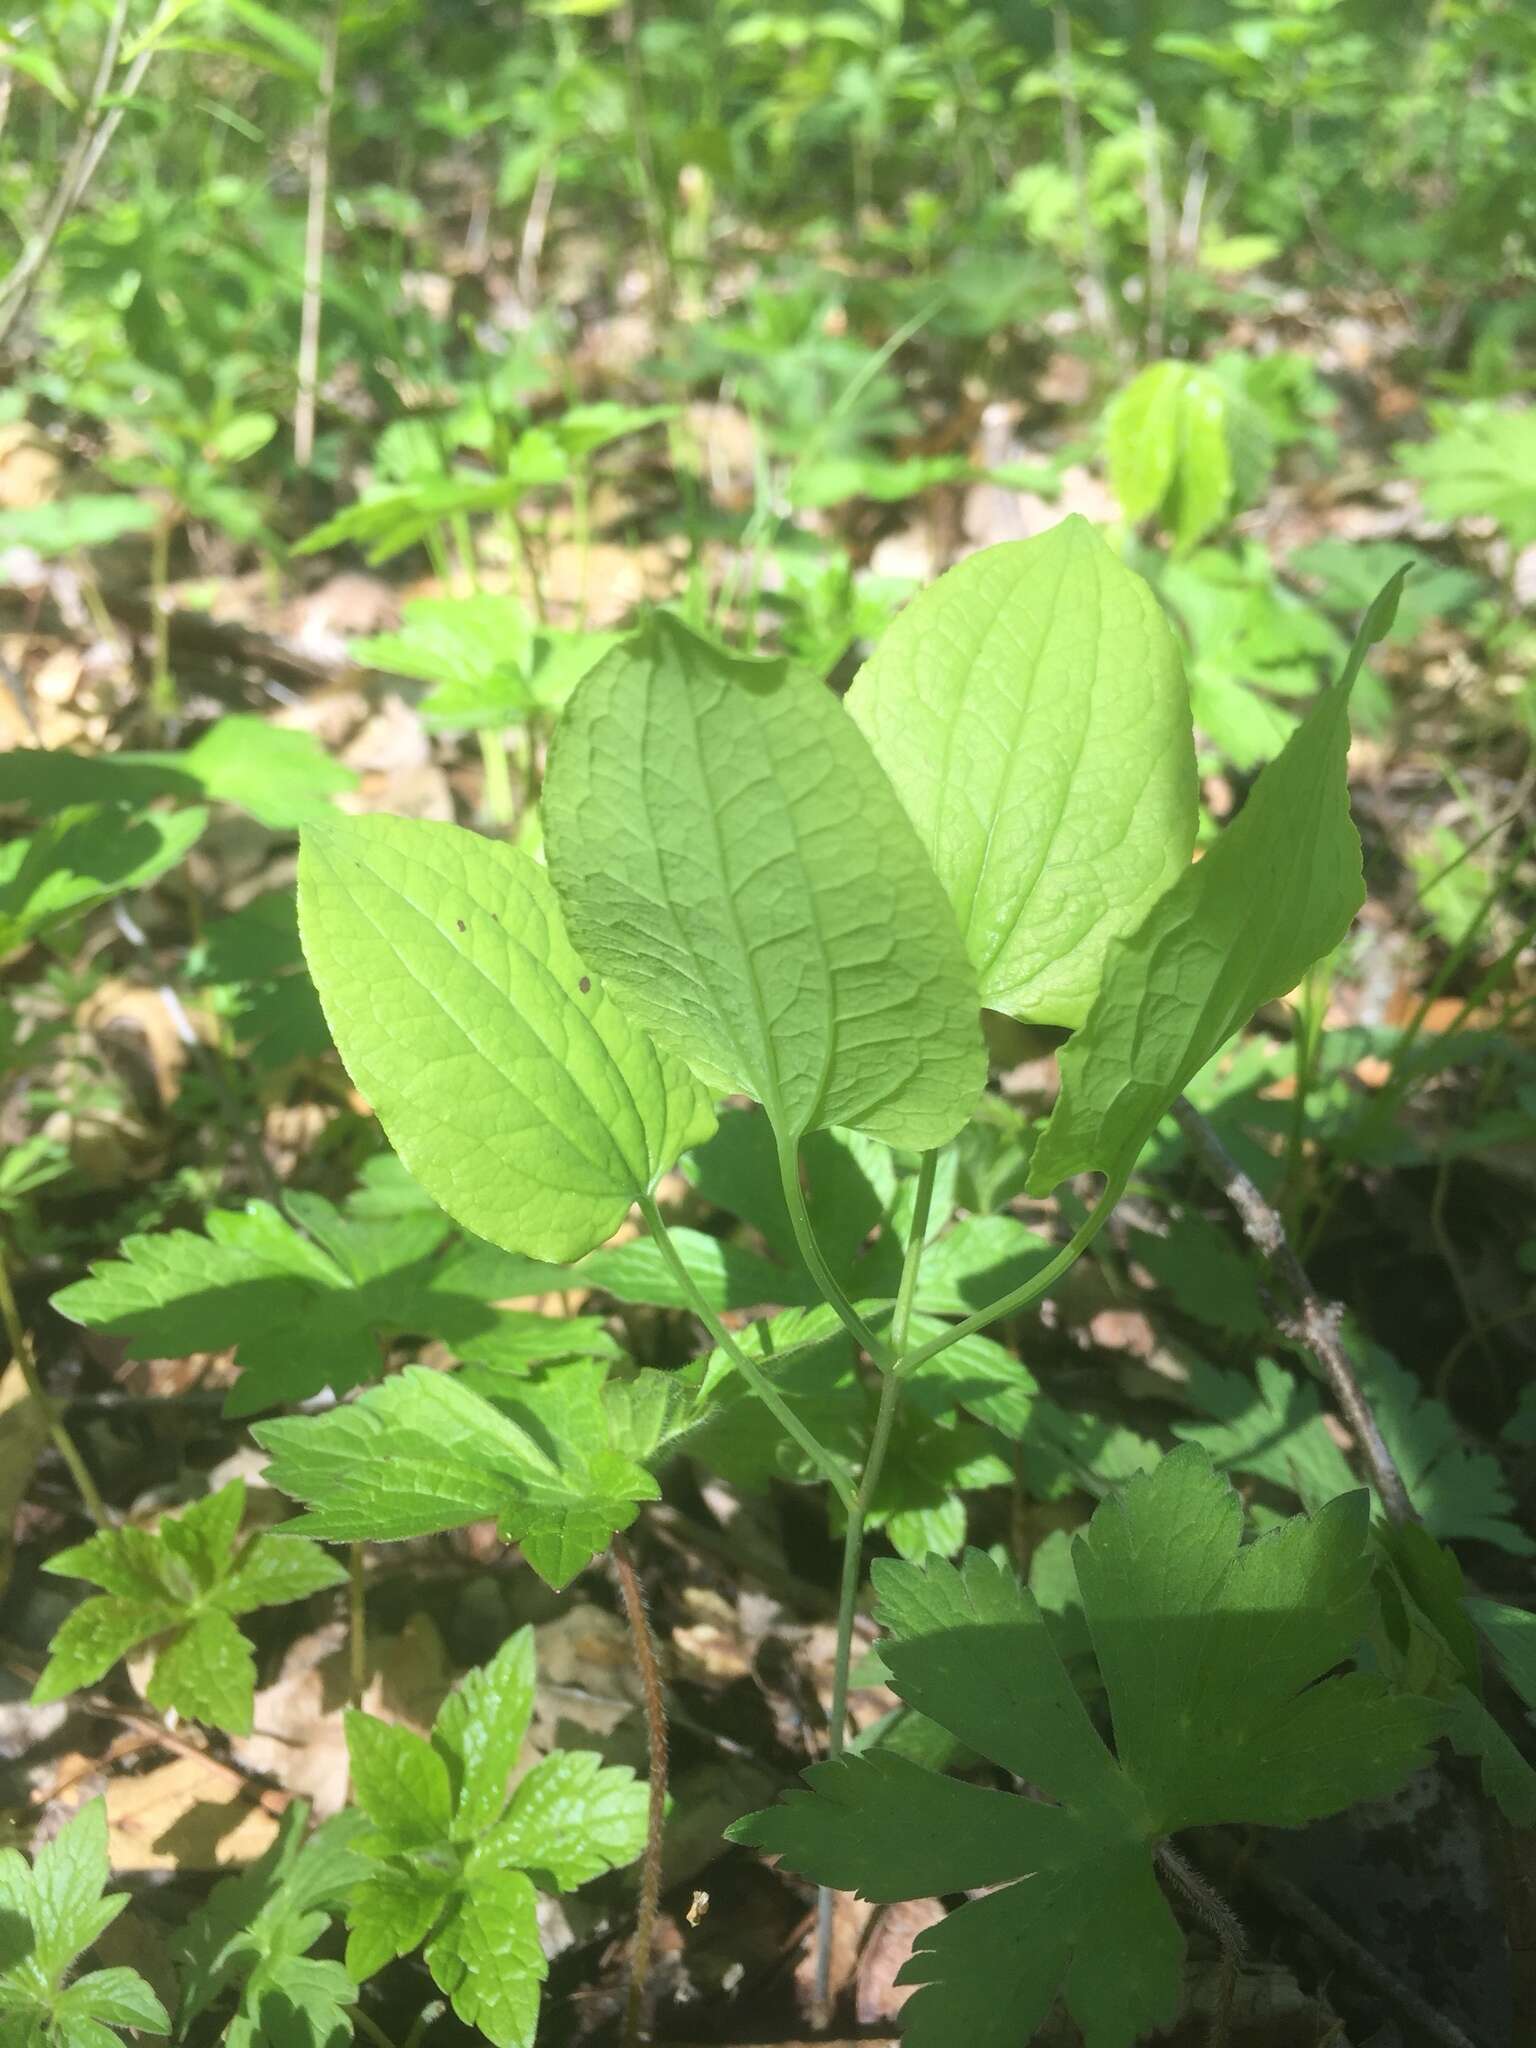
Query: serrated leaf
[1172, 437]
[399, 1781]
[1214, 1656]
[479, 1732]
[181, 1581]
[51, 1911]
[208, 1673]
[571, 1818]
[390, 1912]
[1201, 963]
[303, 1311]
[728, 851]
[423, 1453]
[1460, 1492]
[510, 1084]
[486, 1958]
[1031, 711]
[251, 1934]
[476, 649]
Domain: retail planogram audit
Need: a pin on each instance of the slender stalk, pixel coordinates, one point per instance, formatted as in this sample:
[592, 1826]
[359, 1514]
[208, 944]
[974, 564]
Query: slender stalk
[308, 371]
[820, 1271]
[853, 1540]
[656, 1737]
[63, 1442]
[162, 687]
[1031, 1290]
[827, 1462]
[357, 1624]
[1317, 1323]
[496, 778]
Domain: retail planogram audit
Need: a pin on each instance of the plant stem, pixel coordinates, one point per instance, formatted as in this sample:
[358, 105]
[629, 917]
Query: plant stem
[1031, 1290]
[827, 1462]
[820, 1271]
[656, 1737]
[496, 784]
[1317, 1325]
[853, 1539]
[357, 1624]
[63, 1442]
[162, 688]
[308, 370]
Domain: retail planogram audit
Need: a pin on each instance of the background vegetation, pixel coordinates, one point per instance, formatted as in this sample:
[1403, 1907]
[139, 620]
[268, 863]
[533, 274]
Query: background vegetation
[369, 368]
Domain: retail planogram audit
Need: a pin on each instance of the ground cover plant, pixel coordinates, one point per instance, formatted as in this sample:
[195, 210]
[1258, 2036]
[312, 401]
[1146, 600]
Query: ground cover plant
[766, 910]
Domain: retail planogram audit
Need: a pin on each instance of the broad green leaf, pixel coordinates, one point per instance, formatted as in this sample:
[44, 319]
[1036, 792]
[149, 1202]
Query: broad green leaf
[1215, 1656]
[51, 1911]
[84, 856]
[486, 1958]
[308, 1311]
[399, 1780]
[1031, 711]
[1512, 1632]
[1142, 438]
[1203, 959]
[181, 1582]
[729, 852]
[479, 1732]
[514, 1089]
[423, 1453]
[1479, 466]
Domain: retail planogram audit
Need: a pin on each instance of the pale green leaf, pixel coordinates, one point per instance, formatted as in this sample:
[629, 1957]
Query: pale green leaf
[730, 853]
[84, 856]
[571, 1818]
[1031, 711]
[207, 1672]
[479, 1732]
[511, 1085]
[486, 1957]
[1204, 959]
[90, 1640]
[399, 1781]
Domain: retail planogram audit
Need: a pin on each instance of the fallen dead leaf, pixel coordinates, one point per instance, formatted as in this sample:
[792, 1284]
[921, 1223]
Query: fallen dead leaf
[299, 1737]
[190, 1814]
[877, 1994]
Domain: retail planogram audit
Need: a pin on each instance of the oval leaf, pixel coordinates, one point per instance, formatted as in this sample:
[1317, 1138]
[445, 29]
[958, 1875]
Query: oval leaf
[515, 1091]
[1031, 710]
[729, 852]
[1276, 892]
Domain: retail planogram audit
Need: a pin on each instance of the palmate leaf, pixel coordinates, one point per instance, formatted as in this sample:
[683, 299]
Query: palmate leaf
[1213, 1656]
[183, 1582]
[306, 1309]
[253, 1933]
[513, 1088]
[423, 1453]
[1031, 711]
[1204, 959]
[730, 854]
[51, 1911]
[455, 1862]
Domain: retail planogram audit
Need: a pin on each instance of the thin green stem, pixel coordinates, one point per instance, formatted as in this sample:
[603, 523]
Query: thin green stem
[827, 1462]
[1038, 1284]
[853, 1538]
[820, 1271]
[63, 1442]
[496, 783]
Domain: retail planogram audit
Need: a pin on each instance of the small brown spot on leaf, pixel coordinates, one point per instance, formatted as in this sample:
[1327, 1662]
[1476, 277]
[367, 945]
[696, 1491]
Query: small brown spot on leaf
[585, 984]
[459, 922]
